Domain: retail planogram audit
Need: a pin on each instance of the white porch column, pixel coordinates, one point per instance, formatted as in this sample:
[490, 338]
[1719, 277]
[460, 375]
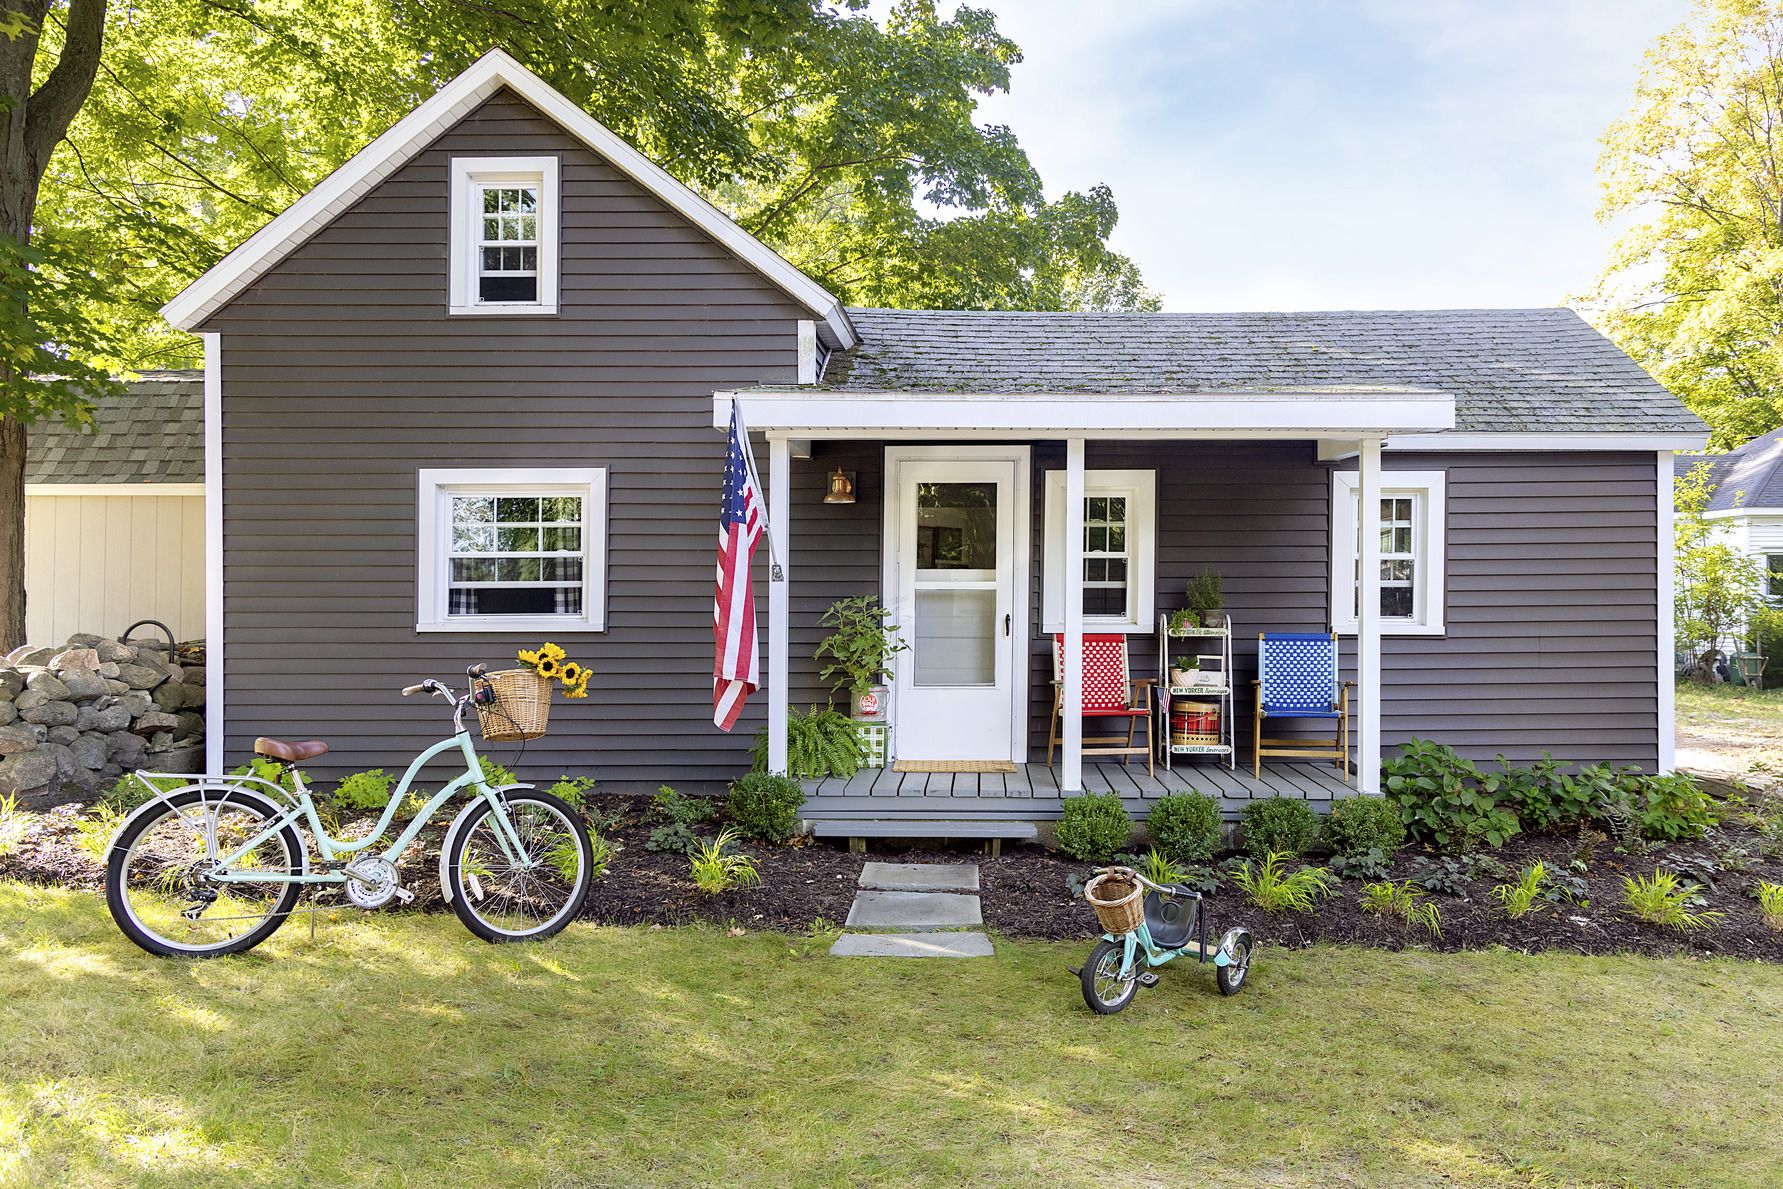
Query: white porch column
[1368, 618]
[1071, 693]
[779, 598]
[1667, 609]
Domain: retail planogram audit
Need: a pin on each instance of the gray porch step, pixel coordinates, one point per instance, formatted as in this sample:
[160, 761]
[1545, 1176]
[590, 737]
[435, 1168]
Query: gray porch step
[920, 877]
[911, 945]
[922, 828]
[917, 911]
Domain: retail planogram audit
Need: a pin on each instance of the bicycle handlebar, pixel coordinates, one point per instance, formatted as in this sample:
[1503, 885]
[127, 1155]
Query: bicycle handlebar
[409, 691]
[1167, 889]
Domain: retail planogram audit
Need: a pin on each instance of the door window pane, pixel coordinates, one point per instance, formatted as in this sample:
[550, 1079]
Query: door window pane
[956, 526]
[956, 635]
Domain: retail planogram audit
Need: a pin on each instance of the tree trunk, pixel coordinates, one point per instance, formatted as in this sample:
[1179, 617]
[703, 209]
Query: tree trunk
[12, 533]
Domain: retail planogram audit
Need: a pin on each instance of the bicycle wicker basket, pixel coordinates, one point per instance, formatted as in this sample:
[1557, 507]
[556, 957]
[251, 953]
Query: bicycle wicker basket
[520, 710]
[1119, 901]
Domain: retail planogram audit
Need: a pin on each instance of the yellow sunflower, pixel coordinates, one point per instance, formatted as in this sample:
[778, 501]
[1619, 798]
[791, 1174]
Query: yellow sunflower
[547, 667]
[580, 689]
[528, 657]
[570, 673]
[551, 651]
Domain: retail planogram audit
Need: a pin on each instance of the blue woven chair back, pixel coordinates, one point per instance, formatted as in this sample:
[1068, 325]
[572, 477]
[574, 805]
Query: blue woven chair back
[1298, 673]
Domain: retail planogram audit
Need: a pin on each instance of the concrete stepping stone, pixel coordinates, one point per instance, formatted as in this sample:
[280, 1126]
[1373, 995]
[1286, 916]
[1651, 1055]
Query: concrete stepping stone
[911, 945]
[920, 877]
[914, 910]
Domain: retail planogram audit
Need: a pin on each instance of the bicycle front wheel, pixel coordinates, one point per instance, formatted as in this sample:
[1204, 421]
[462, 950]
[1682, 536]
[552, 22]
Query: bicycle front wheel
[159, 880]
[501, 895]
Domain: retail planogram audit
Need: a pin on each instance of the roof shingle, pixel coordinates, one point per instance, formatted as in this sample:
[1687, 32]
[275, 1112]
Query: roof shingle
[1508, 370]
[154, 433]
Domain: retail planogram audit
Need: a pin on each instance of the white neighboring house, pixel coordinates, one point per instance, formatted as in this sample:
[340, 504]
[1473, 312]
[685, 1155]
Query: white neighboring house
[1748, 500]
[114, 518]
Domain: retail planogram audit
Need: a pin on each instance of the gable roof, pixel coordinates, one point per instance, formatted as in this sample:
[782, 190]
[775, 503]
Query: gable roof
[154, 433]
[415, 131]
[1535, 370]
[1747, 478]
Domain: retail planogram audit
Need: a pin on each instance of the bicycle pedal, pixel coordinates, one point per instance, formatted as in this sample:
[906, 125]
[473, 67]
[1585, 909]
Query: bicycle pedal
[1148, 979]
[404, 895]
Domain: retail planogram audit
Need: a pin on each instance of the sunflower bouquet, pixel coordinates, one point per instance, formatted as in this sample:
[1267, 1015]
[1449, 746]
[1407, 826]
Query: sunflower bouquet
[548, 661]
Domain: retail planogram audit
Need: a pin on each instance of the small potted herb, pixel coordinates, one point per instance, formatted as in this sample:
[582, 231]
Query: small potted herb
[1184, 671]
[860, 653]
[1205, 599]
[1182, 620]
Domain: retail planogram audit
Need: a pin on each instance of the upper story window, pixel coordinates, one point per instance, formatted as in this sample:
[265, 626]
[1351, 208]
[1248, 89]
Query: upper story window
[504, 235]
[1118, 553]
[1413, 519]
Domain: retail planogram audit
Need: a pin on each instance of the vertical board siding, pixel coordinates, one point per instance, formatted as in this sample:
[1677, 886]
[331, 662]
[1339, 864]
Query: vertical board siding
[343, 376]
[98, 563]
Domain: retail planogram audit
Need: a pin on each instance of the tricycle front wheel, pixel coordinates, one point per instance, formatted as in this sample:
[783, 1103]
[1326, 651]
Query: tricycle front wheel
[1231, 978]
[1103, 987]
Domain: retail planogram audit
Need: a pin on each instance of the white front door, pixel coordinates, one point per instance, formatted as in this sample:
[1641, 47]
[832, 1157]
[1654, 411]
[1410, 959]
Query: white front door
[956, 533]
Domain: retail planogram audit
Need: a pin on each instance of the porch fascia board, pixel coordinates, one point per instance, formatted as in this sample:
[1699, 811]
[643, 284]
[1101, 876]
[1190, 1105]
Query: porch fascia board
[1278, 414]
[1550, 440]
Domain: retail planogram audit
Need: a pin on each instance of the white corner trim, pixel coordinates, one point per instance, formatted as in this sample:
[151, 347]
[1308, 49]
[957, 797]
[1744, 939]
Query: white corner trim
[807, 352]
[468, 173]
[1431, 590]
[409, 135]
[215, 711]
[1641, 442]
[131, 490]
[432, 547]
[1666, 577]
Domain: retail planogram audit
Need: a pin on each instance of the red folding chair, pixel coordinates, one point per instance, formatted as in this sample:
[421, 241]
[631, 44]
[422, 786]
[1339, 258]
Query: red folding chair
[1109, 691]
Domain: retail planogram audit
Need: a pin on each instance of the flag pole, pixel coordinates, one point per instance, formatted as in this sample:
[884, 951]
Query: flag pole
[775, 573]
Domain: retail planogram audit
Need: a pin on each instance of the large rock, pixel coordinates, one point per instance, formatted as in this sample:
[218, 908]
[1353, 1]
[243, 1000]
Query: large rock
[136, 702]
[83, 685]
[127, 750]
[71, 660]
[153, 721]
[191, 726]
[108, 670]
[108, 719]
[48, 684]
[114, 652]
[18, 658]
[52, 714]
[17, 739]
[160, 741]
[90, 751]
[62, 735]
[8, 712]
[141, 676]
[169, 696]
[27, 770]
[31, 699]
[11, 683]
[194, 692]
[181, 759]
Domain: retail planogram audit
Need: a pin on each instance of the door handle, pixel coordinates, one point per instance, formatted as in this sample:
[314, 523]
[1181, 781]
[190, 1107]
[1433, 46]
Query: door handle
[1006, 619]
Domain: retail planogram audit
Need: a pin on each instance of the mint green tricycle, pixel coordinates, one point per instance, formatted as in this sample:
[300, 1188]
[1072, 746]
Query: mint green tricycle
[215, 866]
[1147, 925]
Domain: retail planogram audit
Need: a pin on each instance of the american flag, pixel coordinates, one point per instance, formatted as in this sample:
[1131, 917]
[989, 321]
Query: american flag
[736, 671]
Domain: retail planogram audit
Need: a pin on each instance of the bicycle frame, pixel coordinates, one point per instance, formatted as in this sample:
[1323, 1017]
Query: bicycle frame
[305, 808]
[1138, 940]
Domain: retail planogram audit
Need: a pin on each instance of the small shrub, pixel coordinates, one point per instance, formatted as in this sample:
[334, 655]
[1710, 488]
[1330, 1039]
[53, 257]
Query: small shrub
[1284, 825]
[1770, 902]
[364, 790]
[574, 789]
[1358, 825]
[93, 831]
[1186, 826]
[1160, 869]
[1093, 826]
[1542, 796]
[1664, 899]
[1674, 807]
[14, 824]
[1519, 899]
[1370, 864]
[1405, 901]
[1266, 886]
[1445, 799]
[678, 809]
[765, 808]
[495, 776]
[716, 868]
[130, 792]
[673, 838]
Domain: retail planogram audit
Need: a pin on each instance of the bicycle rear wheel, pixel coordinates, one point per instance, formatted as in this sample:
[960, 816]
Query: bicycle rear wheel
[528, 896]
[158, 881]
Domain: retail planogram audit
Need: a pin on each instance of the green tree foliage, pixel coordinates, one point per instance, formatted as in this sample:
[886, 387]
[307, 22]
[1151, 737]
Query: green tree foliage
[1720, 586]
[847, 144]
[1694, 288]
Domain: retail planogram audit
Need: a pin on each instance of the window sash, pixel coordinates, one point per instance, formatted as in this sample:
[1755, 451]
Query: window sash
[494, 527]
[1411, 549]
[1123, 500]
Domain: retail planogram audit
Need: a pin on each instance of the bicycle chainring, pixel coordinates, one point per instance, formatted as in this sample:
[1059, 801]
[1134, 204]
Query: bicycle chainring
[371, 882]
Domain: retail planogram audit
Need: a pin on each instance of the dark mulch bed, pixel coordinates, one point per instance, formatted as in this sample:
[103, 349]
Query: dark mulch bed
[1026, 891]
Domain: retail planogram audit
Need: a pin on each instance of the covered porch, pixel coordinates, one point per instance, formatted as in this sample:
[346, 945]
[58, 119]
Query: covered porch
[1033, 461]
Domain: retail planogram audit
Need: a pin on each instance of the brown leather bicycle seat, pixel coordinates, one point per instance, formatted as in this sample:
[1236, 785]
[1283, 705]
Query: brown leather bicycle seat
[291, 753]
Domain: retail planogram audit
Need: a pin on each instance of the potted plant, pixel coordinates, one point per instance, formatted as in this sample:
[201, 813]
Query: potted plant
[1182, 620]
[1205, 599]
[1184, 671]
[860, 652]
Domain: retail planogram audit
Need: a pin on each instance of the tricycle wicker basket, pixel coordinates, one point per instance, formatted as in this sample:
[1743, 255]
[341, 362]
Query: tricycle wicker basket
[1119, 901]
[520, 709]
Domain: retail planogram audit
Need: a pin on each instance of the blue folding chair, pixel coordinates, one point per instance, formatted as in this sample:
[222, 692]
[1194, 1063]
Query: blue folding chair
[1297, 678]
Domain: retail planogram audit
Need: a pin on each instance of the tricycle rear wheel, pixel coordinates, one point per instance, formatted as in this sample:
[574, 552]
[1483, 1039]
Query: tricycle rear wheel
[1103, 988]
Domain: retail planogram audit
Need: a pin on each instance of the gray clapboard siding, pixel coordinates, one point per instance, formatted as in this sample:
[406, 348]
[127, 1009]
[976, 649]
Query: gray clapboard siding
[343, 376]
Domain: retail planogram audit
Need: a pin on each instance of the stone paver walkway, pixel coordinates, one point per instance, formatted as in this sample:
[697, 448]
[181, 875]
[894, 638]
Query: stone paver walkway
[918, 910]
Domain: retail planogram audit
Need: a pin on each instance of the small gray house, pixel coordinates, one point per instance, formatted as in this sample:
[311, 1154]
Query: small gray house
[500, 300]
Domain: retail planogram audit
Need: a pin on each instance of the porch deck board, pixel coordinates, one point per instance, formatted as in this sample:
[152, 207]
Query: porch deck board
[1032, 791]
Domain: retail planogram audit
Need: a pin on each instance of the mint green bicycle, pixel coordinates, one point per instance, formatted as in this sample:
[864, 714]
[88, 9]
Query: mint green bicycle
[215, 866]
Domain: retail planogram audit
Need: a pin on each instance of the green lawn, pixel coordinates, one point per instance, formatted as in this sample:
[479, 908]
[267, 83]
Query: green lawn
[396, 1050]
[1731, 731]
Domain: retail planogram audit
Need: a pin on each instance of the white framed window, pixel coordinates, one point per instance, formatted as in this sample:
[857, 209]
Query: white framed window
[1773, 578]
[1414, 517]
[512, 550]
[504, 230]
[1118, 555]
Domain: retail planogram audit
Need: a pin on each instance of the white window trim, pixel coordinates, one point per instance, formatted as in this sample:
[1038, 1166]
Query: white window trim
[434, 523]
[1430, 589]
[1141, 491]
[468, 173]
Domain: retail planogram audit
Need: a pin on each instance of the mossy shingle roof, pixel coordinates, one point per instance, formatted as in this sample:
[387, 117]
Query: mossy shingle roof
[1529, 370]
[154, 433]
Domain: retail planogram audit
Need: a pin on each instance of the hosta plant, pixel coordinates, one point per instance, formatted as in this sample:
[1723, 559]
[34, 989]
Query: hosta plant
[1269, 886]
[1664, 899]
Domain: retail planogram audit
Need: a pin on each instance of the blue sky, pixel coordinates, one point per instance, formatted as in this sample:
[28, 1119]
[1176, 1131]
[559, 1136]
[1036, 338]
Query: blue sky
[1316, 154]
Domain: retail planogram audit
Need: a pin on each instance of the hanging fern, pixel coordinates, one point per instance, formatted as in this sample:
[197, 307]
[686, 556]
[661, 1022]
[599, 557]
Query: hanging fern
[819, 743]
